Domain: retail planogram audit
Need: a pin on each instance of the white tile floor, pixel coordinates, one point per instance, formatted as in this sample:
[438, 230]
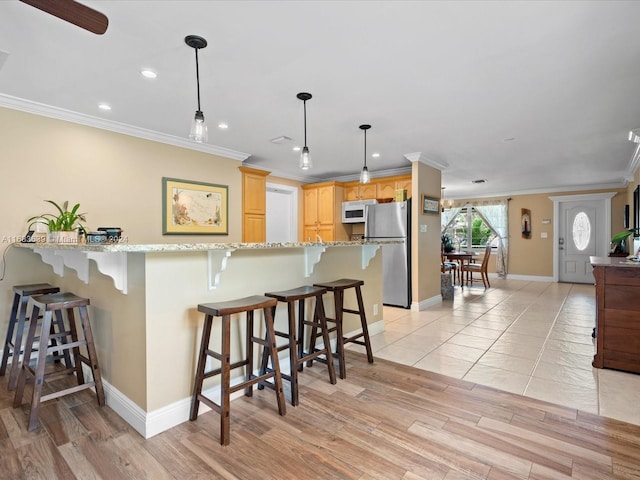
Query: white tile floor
[529, 338]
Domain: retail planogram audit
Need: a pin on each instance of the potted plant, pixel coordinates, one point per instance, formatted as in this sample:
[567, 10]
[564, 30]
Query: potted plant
[64, 225]
[447, 243]
[619, 241]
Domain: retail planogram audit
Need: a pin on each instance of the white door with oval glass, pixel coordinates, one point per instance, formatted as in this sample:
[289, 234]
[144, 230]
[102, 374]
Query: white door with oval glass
[579, 239]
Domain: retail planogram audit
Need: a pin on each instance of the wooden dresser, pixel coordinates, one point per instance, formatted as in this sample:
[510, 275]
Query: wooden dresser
[617, 314]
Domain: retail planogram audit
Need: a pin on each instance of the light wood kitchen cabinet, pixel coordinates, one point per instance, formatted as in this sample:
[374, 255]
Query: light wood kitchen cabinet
[323, 212]
[254, 204]
[404, 184]
[384, 187]
[359, 192]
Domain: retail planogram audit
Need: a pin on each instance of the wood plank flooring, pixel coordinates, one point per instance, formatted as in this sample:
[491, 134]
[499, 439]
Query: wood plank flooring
[385, 421]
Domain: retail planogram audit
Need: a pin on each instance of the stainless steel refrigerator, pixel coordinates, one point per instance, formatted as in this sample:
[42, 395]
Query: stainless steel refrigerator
[392, 221]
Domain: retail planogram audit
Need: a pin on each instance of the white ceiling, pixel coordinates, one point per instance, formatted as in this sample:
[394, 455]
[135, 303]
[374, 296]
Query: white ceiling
[448, 80]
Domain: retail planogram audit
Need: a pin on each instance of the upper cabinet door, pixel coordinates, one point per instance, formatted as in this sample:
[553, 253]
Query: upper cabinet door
[255, 193]
[311, 206]
[326, 205]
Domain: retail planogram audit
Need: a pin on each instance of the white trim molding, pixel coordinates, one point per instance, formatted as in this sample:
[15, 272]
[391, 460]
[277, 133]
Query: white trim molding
[67, 115]
[557, 200]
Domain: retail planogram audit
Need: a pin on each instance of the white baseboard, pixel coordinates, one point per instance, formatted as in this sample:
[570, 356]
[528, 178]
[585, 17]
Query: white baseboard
[528, 278]
[423, 304]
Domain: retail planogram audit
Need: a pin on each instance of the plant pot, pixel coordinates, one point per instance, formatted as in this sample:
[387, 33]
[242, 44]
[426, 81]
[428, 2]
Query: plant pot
[63, 237]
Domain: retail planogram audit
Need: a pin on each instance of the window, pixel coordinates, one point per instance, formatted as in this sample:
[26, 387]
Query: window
[581, 231]
[469, 228]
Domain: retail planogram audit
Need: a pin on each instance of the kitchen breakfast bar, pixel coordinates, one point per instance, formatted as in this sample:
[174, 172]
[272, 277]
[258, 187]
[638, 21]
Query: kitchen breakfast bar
[144, 302]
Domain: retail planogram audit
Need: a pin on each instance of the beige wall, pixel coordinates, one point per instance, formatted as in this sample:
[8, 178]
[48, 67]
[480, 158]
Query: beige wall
[116, 178]
[534, 256]
[425, 247]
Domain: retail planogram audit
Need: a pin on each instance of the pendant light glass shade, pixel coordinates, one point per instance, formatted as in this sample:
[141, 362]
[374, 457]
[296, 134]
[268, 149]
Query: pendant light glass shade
[198, 132]
[364, 175]
[305, 156]
[305, 159]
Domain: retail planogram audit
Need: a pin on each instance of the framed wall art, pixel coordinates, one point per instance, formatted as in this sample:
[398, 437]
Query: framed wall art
[526, 223]
[194, 208]
[430, 205]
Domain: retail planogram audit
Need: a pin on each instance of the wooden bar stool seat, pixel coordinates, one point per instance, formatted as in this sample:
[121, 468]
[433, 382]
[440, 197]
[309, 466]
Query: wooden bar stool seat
[18, 320]
[338, 288]
[63, 305]
[225, 309]
[295, 335]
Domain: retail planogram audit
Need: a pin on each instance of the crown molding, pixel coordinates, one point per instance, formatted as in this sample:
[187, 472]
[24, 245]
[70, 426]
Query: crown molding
[418, 157]
[36, 108]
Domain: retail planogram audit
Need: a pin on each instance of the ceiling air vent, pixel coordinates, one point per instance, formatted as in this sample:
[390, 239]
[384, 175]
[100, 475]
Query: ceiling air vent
[3, 57]
[280, 140]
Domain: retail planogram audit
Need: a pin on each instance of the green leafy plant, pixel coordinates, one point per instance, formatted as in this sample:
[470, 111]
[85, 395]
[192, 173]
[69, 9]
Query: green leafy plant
[618, 237]
[64, 220]
[447, 243]
[619, 241]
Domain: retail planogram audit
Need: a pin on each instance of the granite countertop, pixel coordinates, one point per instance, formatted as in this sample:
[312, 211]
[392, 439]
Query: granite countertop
[613, 262]
[192, 247]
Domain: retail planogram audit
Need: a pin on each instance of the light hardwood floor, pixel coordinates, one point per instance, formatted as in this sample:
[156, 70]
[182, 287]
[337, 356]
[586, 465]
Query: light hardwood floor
[385, 421]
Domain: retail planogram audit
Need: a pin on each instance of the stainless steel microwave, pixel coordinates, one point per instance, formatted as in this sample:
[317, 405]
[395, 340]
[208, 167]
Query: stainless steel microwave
[353, 212]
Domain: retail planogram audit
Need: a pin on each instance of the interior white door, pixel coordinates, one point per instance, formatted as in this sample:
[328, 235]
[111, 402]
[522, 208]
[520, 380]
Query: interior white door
[282, 213]
[580, 236]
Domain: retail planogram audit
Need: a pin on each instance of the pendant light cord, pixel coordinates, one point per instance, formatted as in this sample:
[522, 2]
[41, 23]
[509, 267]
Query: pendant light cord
[365, 148]
[304, 104]
[198, 78]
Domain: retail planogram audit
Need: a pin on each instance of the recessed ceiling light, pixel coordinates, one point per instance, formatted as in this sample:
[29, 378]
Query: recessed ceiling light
[296, 149]
[223, 126]
[480, 180]
[375, 155]
[148, 73]
[104, 106]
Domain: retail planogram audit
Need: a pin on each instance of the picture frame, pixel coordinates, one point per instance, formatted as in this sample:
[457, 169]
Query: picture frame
[636, 212]
[430, 205]
[526, 223]
[194, 208]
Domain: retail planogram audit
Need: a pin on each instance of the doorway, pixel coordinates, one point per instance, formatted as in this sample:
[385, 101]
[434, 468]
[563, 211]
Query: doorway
[582, 228]
[282, 213]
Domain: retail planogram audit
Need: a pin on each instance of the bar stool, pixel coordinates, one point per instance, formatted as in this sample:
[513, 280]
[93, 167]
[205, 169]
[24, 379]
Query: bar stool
[57, 303]
[338, 287]
[15, 330]
[225, 310]
[295, 335]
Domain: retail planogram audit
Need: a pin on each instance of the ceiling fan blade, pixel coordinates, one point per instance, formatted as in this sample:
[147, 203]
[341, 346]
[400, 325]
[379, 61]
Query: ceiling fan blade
[73, 12]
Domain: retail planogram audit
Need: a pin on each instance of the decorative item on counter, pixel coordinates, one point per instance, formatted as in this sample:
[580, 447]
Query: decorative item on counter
[112, 233]
[96, 238]
[65, 226]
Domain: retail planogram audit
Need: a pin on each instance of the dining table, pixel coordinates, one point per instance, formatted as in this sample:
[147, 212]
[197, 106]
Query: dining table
[461, 258]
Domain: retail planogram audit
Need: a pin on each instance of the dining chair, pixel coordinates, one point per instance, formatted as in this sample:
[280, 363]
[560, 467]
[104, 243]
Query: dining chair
[480, 268]
[448, 267]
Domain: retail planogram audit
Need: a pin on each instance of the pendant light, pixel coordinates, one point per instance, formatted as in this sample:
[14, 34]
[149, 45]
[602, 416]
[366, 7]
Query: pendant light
[305, 157]
[364, 175]
[198, 130]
